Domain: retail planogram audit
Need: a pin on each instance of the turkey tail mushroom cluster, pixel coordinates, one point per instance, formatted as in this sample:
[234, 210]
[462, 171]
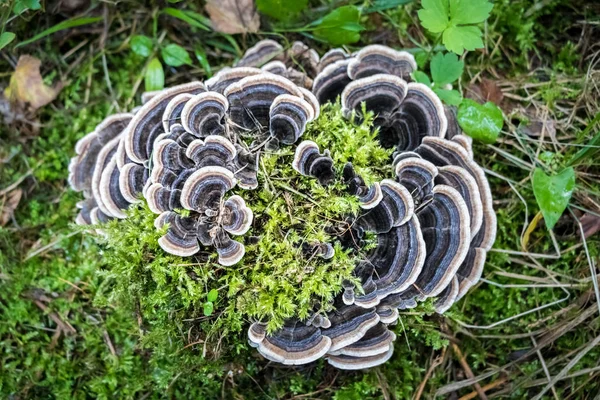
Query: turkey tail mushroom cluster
[421, 233]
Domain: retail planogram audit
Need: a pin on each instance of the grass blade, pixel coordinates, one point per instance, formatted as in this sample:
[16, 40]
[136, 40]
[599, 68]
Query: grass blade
[70, 23]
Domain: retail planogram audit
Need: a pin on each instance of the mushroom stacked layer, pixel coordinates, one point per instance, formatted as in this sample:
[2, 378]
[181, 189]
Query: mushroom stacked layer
[188, 146]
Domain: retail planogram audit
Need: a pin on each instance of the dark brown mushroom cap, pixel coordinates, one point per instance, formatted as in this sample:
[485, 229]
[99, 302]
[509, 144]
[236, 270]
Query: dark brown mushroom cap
[172, 113]
[310, 162]
[214, 151]
[236, 216]
[246, 168]
[447, 152]
[204, 114]
[147, 122]
[250, 99]
[294, 344]
[178, 134]
[330, 57]
[355, 363]
[331, 81]
[161, 199]
[417, 176]
[132, 178]
[288, 118]
[368, 298]
[382, 94]
[395, 209]
[303, 58]
[230, 251]
[261, 53]
[447, 297]
[376, 341]
[104, 157]
[470, 270]
[85, 209]
[110, 191]
[445, 224]
[349, 323]
[180, 238]
[228, 76]
[169, 154]
[370, 197]
[377, 59]
[204, 189]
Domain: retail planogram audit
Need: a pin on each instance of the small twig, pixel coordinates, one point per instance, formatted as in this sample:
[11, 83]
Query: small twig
[468, 371]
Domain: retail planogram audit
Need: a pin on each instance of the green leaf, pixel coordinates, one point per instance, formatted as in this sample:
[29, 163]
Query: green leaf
[22, 5]
[208, 308]
[553, 193]
[465, 12]
[6, 38]
[434, 15]
[201, 57]
[70, 23]
[154, 79]
[281, 9]
[481, 122]
[189, 17]
[341, 26]
[446, 68]
[212, 295]
[141, 45]
[421, 77]
[382, 5]
[460, 38]
[450, 97]
[175, 55]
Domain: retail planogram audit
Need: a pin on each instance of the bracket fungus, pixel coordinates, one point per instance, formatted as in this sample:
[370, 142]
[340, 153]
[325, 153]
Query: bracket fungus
[192, 153]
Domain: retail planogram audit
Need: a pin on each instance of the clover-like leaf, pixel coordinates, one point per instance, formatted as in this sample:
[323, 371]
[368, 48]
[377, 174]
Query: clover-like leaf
[553, 193]
[208, 308]
[480, 121]
[446, 68]
[281, 9]
[175, 55]
[341, 26]
[154, 79]
[141, 45]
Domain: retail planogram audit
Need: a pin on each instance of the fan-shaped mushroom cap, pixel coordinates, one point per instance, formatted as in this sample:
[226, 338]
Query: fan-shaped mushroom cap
[461, 180]
[382, 94]
[261, 53]
[275, 67]
[470, 271]
[299, 78]
[303, 56]
[104, 157]
[250, 99]
[228, 76]
[205, 188]
[417, 176]
[246, 167]
[312, 100]
[447, 152]
[355, 184]
[147, 122]
[349, 323]
[256, 333]
[426, 108]
[204, 114]
[230, 252]
[453, 127]
[85, 206]
[445, 224]
[466, 142]
[377, 59]
[371, 197]
[376, 341]
[180, 238]
[98, 217]
[172, 113]
[288, 117]
[110, 192]
[132, 179]
[387, 315]
[331, 81]
[213, 151]
[355, 363]
[169, 154]
[447, 297]
[330, 57]
[368, 298]
[237, 217]
[161, 199]
[395, 209]
[294, 344]
[310, 162]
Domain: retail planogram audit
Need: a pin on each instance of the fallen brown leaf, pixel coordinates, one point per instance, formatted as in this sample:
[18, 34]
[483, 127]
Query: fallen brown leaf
[27, 86]
[233, 16]
[486, 90]
[8, 205]
[590, 224]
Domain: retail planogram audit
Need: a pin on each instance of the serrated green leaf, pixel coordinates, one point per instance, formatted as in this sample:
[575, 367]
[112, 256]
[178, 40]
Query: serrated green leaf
[460, 38]
[208, 308]
[154, 79]
[434, 15]
[465, 12]
[6, 38]
[450, 97]
[281, 9]
[421, 77]
[446, 68]
[341, 26]
[553, 193]
[175, 55]
[141, 45]
[481, 122]
[212, 295]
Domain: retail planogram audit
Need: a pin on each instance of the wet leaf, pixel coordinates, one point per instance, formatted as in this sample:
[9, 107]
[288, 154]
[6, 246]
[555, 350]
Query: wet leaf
[8, 205]
[553, 193]
[175, 55]
[341, 26]
[208, 308]
[27, 86]
[141, 45]
[481, 122]
[6, 38]
[154, 78]
[212, 295]
[233, 16]
[281, 9]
